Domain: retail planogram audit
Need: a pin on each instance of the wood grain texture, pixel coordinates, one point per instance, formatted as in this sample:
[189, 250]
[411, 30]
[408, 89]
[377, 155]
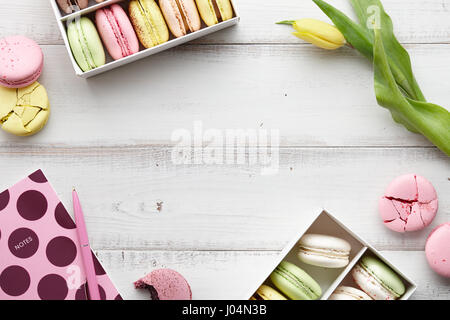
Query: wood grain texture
[313, 97]
[229, 275]
[412, 21]
[111, 137]
[229, 207]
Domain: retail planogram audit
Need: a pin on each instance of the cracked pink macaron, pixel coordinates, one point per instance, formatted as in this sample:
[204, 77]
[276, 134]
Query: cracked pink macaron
[21, 61]
[410, 203]
[437, 250]
[165, 284]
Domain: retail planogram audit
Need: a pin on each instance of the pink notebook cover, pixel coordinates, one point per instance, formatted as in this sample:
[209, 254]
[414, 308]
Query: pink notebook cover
[39, 251]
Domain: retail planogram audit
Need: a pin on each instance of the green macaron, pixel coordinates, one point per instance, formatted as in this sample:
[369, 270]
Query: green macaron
[87, 48]
[295, 283]
[385, 275]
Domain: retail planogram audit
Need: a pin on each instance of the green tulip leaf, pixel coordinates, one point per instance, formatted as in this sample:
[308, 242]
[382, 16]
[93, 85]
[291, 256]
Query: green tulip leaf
[370, 13]
[356, 35]
[361, 38]
[429, 119]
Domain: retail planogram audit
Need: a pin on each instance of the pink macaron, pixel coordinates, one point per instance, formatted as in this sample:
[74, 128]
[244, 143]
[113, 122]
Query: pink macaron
[116, 31]
[409, 203]
[437, 250]
[21, 61]
[165, 284]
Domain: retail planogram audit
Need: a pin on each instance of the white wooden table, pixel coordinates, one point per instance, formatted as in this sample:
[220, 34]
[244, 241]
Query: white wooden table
[218, 224]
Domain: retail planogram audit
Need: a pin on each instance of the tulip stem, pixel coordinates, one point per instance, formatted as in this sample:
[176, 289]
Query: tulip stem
[288, 22]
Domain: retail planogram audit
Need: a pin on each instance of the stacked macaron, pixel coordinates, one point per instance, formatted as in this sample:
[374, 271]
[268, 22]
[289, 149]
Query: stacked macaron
[324, 251]
[378, 280]
[24, 104]
[147, 22]
[349, 293]
[295, 283]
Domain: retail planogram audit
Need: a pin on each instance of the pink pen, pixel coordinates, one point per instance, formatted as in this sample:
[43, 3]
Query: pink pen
[86, 253]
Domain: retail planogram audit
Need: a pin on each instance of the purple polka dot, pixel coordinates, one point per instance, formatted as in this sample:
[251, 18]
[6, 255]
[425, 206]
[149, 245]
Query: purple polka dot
[83, 293]
[32, 205]
[118, 297]
[23, 243]
[98, 267]
[4, 199]
[61, 251]
[52, 287]
[38, 177]
[14, 281]
[63, 218]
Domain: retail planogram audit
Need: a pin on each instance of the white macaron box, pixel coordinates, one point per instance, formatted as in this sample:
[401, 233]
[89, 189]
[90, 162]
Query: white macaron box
[329, 279]
[63, 18]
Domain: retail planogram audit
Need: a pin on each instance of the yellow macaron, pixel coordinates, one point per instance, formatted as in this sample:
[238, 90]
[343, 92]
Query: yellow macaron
[267, 293]
[148, 22]
[24, 111]
[213, 11]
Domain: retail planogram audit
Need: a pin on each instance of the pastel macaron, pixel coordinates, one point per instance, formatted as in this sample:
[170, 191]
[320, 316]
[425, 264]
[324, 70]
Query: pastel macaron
[181, 16]
[69, 6]
[348, 293]
[267, 293]
[437, 250]
[378, 280]
[21, 61]
[116, 32]
[87, 48]
[324, 251]
[165, 284]
[410, 203]
[295, 283]
[148, 22]
[214, 11]
[24, 111]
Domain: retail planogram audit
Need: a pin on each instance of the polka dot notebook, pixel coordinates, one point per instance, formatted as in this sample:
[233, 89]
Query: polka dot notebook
[39, 253]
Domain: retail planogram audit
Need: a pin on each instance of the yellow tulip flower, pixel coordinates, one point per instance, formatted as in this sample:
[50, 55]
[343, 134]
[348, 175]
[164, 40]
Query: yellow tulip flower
[319, 33]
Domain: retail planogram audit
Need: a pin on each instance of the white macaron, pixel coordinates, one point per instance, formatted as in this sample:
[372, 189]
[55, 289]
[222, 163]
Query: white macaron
[324, 251]
[349, 293]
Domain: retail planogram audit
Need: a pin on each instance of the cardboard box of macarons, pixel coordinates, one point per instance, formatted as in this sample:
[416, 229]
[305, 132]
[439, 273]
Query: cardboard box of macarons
[327, 261]
[104, 34]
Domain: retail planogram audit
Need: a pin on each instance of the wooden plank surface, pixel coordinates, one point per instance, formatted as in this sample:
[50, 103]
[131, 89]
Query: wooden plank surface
[229, 275]
[229, 207]
[418, 22]
[313, 97]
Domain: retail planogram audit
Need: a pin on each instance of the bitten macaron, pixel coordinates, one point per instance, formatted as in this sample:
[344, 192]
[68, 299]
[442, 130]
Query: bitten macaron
[116, 31]
[24, 111]
[214, 11]
[21, 62]
[410, 203]
[165, 284]
[148, 22]
[87, 48]
[267, 293]
[181, 16]
[378, 280]
[348, 293]
[295, 283]
[437, 250]
[324, 251]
